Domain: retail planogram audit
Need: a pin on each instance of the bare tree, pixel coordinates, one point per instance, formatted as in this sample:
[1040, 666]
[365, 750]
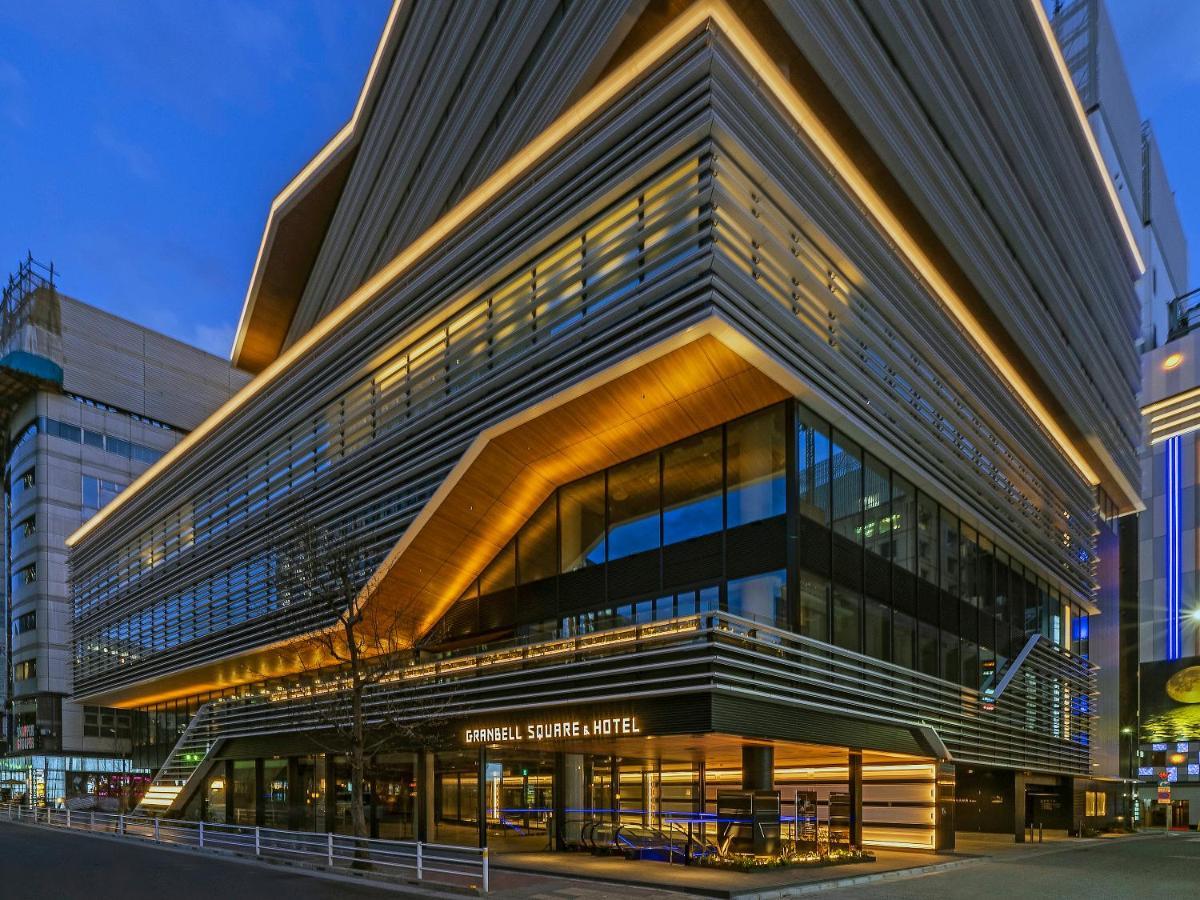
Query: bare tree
[328, 575]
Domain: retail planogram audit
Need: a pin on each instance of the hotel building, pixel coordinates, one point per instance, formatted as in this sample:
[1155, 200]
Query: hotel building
[90, 401]
[727, 398]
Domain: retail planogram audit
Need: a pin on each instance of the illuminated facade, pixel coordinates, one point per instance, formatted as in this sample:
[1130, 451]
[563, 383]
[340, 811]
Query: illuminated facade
[704, 427]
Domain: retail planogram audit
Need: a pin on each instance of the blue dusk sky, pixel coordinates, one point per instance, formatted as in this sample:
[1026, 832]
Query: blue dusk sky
[141, 141]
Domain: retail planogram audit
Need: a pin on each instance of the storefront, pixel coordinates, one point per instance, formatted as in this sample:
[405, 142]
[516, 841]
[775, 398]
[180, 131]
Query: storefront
[635, 778]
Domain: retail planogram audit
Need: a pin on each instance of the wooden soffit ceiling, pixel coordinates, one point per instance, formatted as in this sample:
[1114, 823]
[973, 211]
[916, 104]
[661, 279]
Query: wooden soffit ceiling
[511, 469]
[680, 387]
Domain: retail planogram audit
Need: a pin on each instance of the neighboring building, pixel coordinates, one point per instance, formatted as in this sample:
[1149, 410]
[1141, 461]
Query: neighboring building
[727, 400]
[1131, 156]
[1130, 151]
[1154, 608]
[1169, 736]
[89, 402]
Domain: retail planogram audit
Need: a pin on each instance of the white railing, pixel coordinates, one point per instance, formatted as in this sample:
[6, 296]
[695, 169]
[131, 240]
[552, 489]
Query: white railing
[407, 860]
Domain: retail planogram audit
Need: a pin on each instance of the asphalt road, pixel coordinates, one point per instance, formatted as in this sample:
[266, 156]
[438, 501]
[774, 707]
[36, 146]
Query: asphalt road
[44, 864]
[1142, 868]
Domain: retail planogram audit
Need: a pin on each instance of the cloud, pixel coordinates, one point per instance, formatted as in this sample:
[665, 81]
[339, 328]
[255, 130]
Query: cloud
[216, 339]
[138, 160]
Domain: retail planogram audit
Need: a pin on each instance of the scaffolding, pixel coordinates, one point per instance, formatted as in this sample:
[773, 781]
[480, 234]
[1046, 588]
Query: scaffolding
[30, 278]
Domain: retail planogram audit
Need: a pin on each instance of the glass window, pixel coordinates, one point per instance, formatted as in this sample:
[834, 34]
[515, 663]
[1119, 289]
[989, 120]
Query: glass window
[967, 575]
[761, 598]
[927, 561]
[970, 664]
[985, 576]
[951, 657]
[904, 520]
[501, 572]
[877, 507]
[581, 514]
[847, 488]
[756, 467]
[847, 617]
[633, 503]
[903, 635]
[710, 599]
[948, 529]
[812, 461]
[814, 606]
[537, 543]
[685, 603]
[692, 481]
[878, 628]
[928, 648]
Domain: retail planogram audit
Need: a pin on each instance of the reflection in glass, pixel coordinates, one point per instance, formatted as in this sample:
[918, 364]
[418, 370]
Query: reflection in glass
[760, 598]
[692, 487]
[927, 561]
[904, 523]
[756, 464]
[812, 460]
[633, 507]
[847, 488]
[537, 543]
[501, 572]
[948, 528]
[581, 508]
[877, 508]
[814, 606]
[847, 618]
[902, 639]
[878, 629]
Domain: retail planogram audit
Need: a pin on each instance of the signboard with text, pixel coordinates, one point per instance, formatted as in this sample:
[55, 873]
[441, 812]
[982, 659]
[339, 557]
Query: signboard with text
[543, 728]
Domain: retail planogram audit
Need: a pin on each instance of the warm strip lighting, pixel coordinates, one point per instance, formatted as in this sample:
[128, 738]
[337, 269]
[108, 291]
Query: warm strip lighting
[337, 143]
[1170, 401]
[601, 95]
[1081, 115]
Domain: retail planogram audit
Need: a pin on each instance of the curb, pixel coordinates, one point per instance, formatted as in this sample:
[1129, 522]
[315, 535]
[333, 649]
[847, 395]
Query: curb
[833, 884]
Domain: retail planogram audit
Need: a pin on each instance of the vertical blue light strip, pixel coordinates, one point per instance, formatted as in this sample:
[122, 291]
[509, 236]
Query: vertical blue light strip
[1173, 549]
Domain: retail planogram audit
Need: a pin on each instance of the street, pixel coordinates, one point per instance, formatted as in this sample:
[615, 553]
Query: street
[43, 864]
[1148, 868]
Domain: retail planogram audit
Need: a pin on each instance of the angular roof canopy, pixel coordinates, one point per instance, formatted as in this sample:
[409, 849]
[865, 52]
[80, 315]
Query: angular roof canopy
[703, 376]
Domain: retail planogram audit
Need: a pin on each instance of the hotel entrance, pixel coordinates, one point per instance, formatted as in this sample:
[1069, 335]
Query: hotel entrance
[680, 797]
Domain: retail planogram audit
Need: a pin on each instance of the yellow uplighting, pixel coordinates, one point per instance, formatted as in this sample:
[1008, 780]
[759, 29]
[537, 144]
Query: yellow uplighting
[697, 16]
[1172, 361]
[1069, 84]
[335, 144]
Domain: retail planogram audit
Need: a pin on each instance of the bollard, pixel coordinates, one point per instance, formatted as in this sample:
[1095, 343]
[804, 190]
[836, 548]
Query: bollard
[257, 842]
[156, 840]
[418, 860]
[329, 851]
[485, 870]
[1039, 832]
[92, 821]
[121, 824]
[68, 817]
[201, 835]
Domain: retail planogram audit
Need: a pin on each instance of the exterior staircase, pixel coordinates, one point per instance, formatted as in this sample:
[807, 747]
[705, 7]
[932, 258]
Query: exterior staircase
[197, 744]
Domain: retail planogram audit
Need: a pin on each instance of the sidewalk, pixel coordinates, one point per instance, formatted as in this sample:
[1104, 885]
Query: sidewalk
[567, 874]
[700, 881]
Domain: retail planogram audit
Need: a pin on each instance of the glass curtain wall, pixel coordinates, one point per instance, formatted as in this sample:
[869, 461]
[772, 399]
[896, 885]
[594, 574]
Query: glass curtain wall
[883, 569]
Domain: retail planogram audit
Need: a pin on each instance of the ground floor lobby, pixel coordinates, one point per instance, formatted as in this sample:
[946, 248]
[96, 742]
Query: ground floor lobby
[541, 784]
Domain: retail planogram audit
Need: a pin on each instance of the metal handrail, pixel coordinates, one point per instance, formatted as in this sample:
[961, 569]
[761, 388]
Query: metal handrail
[418, 860]
[756, 659]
